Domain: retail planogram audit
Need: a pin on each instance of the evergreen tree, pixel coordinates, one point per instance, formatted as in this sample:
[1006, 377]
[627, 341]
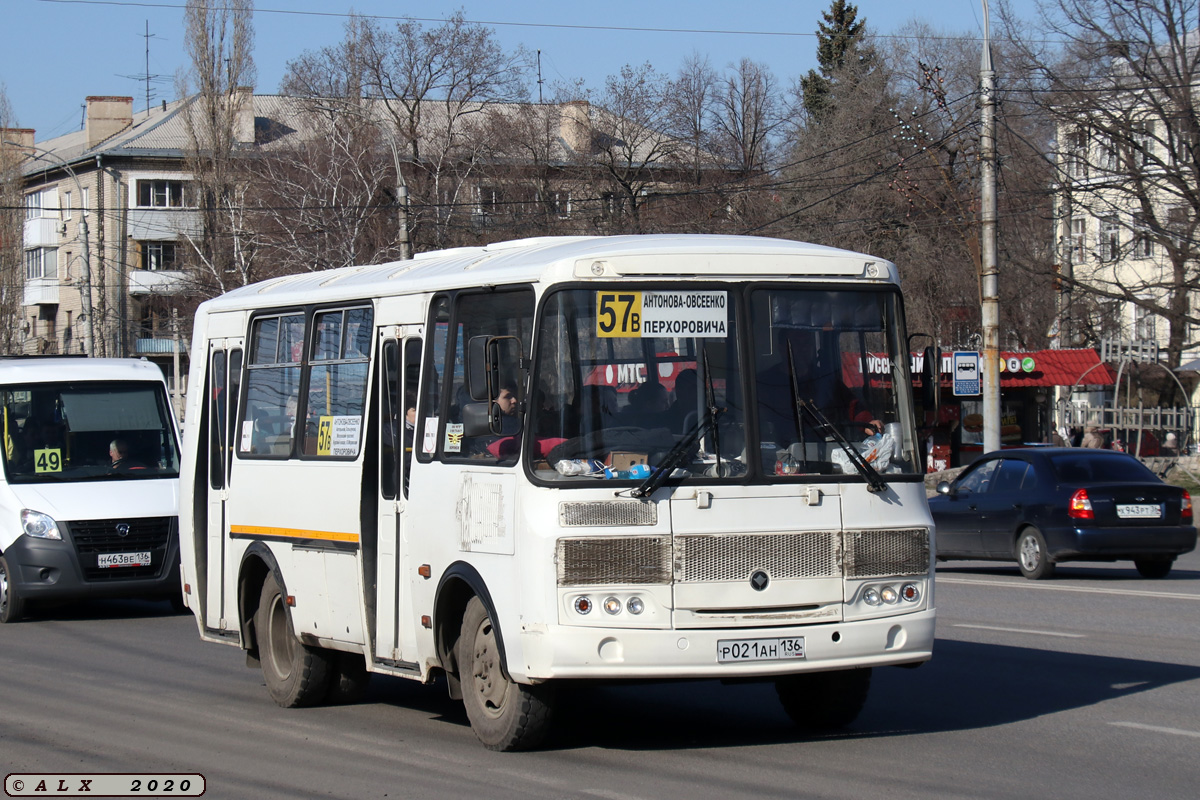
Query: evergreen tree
[837, 47]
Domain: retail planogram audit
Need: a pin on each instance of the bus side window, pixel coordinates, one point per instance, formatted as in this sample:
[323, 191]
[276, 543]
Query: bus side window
[391, 419]
[217, 428]
[412, 372]
[272, 386]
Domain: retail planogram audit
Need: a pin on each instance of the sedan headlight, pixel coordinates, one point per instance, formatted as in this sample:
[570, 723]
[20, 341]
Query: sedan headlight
[39, 525]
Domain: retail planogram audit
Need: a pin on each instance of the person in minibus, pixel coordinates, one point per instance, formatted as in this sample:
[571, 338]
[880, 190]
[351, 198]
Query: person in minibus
[118, 451]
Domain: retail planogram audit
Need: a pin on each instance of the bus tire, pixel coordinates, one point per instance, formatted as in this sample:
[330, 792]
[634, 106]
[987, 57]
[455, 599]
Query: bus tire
[12, 605]
[505, 715]
[350, 679]
[296, 674]
[824, 701]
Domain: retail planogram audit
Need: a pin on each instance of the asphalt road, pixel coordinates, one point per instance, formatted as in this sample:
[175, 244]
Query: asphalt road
[1081, 687]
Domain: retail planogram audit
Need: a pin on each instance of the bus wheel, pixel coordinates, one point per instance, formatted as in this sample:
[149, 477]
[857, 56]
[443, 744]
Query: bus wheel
[505, 715]
[12, 607]
[823, 701]
[296, 674]
[349, 680]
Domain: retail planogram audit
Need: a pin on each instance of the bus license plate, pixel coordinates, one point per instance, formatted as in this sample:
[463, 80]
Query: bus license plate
[123, 560]
[787, 647]
[1140, 511]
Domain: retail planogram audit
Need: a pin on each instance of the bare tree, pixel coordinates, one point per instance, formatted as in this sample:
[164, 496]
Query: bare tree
[691, 108]
[1121, 92]
[11, 232]
[220, 43]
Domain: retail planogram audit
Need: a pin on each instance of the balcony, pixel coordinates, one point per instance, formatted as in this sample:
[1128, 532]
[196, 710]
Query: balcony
[42, 232]
[161, 282]
[156, 347]
[41, 291]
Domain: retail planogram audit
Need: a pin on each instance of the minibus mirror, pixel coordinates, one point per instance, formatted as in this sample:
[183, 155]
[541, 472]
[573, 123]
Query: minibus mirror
[931, 378]
[477, 368]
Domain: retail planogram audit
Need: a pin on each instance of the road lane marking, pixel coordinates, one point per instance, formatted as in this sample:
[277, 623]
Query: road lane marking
[1157, 729]
[1023, 630]
[1079, 589]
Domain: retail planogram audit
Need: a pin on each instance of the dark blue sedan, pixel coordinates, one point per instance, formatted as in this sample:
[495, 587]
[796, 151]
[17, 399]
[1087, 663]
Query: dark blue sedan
[1049, 504]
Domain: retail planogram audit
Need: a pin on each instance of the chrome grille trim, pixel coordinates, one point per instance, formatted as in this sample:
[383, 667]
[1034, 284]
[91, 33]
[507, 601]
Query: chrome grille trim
[599, 560]
[606, 513]
[883, 553]
[701, 558]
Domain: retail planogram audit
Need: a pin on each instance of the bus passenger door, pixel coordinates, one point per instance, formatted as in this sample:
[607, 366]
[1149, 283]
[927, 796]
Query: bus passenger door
[399, 368]
[225, 372]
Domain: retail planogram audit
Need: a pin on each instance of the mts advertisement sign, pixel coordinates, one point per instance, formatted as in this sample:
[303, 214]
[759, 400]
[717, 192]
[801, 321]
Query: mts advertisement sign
[966, 373]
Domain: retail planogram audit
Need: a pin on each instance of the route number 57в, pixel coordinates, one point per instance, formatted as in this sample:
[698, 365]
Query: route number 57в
[618, 314]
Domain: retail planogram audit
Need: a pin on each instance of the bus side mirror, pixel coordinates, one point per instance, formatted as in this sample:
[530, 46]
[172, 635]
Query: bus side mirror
[931, 395]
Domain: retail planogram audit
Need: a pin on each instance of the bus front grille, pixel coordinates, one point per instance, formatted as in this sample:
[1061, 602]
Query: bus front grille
[146, 534]
[614, 560]
[700, 558]
[886, 553]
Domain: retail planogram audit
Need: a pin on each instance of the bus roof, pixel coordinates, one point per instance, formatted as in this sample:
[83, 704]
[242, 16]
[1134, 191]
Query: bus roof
[555, 258]
[52, 369]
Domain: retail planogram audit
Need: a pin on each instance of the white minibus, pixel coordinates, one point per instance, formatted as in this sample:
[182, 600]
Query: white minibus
[90, 487]
[562, 460]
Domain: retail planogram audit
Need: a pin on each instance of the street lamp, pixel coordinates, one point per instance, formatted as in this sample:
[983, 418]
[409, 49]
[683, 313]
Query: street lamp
[89, 335]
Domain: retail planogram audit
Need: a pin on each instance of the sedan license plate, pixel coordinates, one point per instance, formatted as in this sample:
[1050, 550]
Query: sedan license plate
[1139, 510]
[787, 647]
[123, 560]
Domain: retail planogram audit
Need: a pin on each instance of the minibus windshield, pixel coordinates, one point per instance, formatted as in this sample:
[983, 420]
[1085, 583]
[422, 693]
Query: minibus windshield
[86, 431]
[627, 378]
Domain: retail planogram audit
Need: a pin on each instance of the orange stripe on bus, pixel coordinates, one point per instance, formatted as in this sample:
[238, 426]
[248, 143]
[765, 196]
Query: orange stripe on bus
[293, 533]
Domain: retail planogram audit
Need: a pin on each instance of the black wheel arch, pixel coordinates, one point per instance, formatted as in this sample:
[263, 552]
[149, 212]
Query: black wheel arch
[257, 562]
[458, 584]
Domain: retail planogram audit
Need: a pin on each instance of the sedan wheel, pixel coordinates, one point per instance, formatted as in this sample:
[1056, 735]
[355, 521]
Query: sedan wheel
[1154, 567]
[1032, 556]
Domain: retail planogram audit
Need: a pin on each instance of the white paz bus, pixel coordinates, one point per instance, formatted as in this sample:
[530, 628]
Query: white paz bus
[550, 460]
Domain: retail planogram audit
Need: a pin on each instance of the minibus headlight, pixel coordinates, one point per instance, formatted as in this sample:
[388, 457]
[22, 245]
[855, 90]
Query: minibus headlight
[889, 595]
[636, 605]
[871, 597]
[612, 605]
[583, 605]
[39, 525]
[910, 592]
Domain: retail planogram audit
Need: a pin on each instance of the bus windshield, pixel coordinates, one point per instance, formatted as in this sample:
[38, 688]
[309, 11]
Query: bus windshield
[706, 379]
[64, 432]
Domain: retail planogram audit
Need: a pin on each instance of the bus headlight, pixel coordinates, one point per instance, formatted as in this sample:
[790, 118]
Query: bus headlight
[39, 525]
[871, 597]
[910, 593]
[583, 605]
[889, 595]
[636, 605]
[612, 605]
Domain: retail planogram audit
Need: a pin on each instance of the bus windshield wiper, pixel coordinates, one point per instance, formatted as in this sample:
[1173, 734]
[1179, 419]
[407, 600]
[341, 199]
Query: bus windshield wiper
[684, 447]
[875, 482]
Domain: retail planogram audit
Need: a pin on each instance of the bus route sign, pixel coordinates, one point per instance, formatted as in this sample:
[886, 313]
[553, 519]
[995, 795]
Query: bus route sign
[662, 314]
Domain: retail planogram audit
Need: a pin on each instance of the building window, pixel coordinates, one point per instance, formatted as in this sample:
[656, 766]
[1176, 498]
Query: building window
[1143, 324]
[490, 200]
[33, 205]
[159, 255]
[1143, 243]
[160, 194]
[1177, 223]
[41, 262]
[1143, 142]
[1075, 155]
[1108, 154]
[66, 205]
[1075, 245]
[1110, 238]
[84, 208]
[560, 204]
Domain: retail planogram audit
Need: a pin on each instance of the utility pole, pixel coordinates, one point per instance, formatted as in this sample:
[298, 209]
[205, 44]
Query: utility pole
[989, 272]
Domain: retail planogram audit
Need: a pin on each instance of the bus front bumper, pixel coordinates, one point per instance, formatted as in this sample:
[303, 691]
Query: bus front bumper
[559, 651]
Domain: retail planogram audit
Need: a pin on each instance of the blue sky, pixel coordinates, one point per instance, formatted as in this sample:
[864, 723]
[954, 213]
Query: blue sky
[54, 53]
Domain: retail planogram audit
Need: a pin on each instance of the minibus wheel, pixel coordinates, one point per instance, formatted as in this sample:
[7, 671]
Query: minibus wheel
[823, 701]
[504, 714]
[296, 674]
[12, 607]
